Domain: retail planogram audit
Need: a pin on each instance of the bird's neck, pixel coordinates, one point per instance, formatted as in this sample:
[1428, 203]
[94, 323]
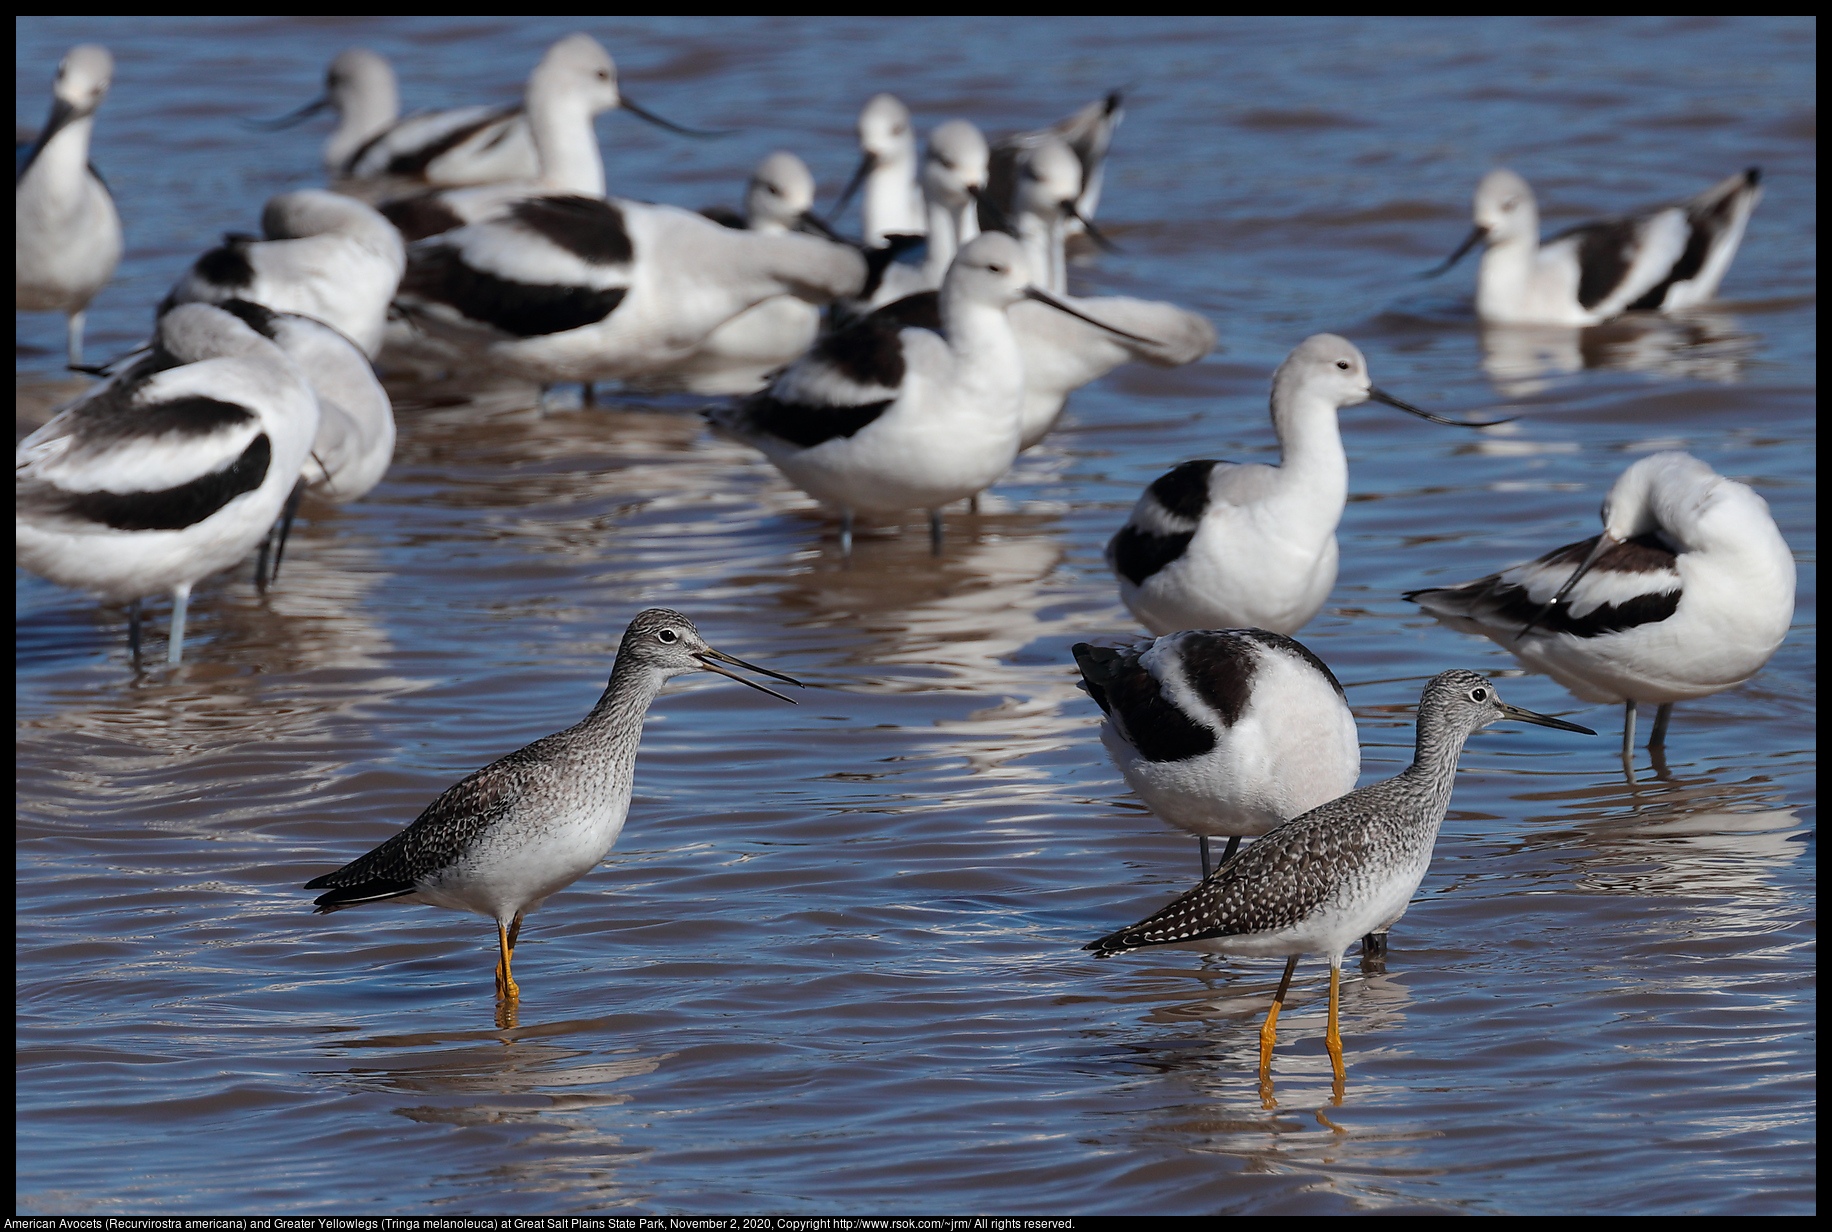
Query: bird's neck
[1505, 274]
[1433, 770]
[949, 228]
[1043, 247]
[565, 144]
[891, 199]
[64, 161]
[1312, 459]
[361, 118]
[614, 727]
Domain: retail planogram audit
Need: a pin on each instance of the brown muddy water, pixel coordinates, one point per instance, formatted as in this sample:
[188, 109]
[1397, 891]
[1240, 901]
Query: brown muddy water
[834, 963]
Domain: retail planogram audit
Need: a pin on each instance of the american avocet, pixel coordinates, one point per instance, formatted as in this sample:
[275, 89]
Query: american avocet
[574, 81]
[505, 838]
[883, 416]
[1220, 545]
[67, 235]
[360, 87]
[1343, 870]
[739, 355]
[566, 288]
[169, 472]
[892, 204]
[1088, 134]
[324, 255]
[1061, 354]
[952, 178]
[1666, 257]
[1688, 591]
[1223, 731]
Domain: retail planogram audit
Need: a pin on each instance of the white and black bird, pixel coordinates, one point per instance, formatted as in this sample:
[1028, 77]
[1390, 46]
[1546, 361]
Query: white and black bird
[360, 87]
[1061, 353]
[172, 470]
[1688, 591]
[892, 203]
[741, 354]
[1088, 134]
[1345, 869]
[67, 234]
[574, 288]
[1658, 259]
[1223, 731]
[321, 255]
[574, 82]
[504, 839]
[886, 415]
[951, 179]
[1224, 545]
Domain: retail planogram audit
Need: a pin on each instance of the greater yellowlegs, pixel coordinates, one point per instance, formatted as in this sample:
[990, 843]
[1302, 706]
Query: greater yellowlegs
[67, 235]
[1688, 591]
[1670, 256]
[1341, 871]
[1226, 545]
[324, 255]
[500, 841]
[170, 471]
[884, 415]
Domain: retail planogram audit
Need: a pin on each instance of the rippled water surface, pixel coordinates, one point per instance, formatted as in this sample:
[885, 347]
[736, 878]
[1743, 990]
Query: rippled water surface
[833, 964]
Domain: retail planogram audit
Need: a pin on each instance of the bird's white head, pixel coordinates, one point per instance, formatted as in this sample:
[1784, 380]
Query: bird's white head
[781, 193]
[955, 168]
[360, 80]
[1504, 208]
[885, 131]
[83, 78]
[576, 68]
[1049, 181]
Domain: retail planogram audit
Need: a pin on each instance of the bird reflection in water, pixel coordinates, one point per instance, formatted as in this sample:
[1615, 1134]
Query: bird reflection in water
[1700, 344]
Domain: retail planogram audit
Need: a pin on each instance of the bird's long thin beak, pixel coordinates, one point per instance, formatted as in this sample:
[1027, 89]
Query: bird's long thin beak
[1044, 297]
[1544, 720]
[1381, 395]
[1605, 541]
[1469, 241]
[290, 118]
[813, 224]
[1001, 221]
[642, 113]
[867, 161]
[1087, 224]
[707, 660]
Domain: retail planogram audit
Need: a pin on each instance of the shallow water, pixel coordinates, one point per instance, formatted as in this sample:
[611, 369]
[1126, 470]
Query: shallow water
[833, 964]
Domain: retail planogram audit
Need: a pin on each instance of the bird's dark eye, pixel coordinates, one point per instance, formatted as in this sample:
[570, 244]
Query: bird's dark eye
[996, 268]
[604, 74]
[669, 636]
[1343, 364]
[1478, 695]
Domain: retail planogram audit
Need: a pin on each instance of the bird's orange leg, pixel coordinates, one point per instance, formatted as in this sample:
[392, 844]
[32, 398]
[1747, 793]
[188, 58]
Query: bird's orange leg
[1270, 1031]
[1333, 1038]
[505, 982]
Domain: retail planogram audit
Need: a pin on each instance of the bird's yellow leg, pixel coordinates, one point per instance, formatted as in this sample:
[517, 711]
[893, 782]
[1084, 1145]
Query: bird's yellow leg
[1270, 1031]
[505, 982]
[1333, 1038]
